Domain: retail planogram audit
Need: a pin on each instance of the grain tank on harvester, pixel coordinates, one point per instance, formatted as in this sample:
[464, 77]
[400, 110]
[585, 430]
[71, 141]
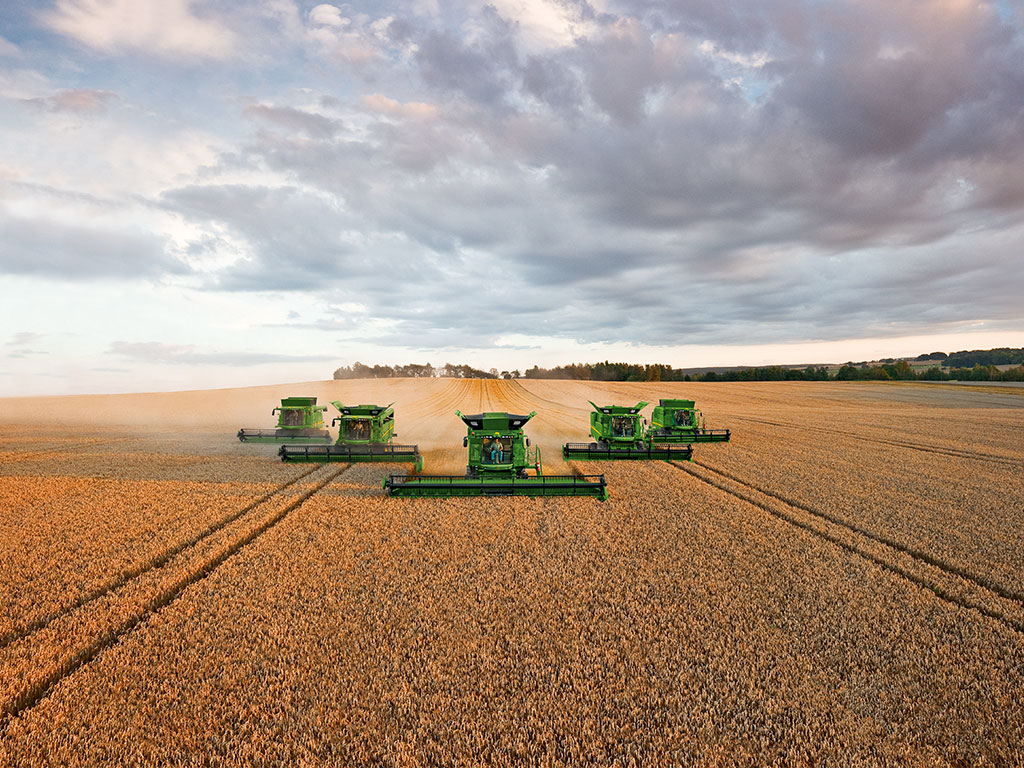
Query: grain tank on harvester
[679, 421]
[299, 420]
[365, 434]
[499, 458]
[621, 436]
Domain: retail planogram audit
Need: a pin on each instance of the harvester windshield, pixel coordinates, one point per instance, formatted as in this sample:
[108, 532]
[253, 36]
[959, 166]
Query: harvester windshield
[291, 417]
[622, 426]
[497, 450]
[684, 418]
[357, 429]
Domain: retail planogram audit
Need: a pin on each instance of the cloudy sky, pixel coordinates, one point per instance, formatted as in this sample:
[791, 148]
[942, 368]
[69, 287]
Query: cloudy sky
[202, 193]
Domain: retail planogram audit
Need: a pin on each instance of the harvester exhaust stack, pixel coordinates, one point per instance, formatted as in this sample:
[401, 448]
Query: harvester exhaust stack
[299, 420]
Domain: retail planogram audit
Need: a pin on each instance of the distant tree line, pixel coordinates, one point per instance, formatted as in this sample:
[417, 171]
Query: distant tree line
[607, 371]
[768, 373]
[415, 371]
[884, 370]
[659, 372]
[902, 371]
[984, 357]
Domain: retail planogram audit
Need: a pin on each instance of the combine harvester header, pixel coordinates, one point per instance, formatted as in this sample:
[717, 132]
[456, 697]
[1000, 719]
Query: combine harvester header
[679, 421]
[499, 458]
[621, 436]
[365, 434]
[299, 420]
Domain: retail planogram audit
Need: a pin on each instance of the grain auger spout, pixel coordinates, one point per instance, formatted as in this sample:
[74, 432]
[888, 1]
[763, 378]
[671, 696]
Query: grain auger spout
[365, 434]
[679, 421]
[500, 457]
[299, 420]
[620, 435]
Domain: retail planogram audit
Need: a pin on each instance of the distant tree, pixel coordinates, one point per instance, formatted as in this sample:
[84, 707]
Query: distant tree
[899, 370]
[934, 374]
[847, 373]
[816, 374]
[878, 373]
[1012, 374]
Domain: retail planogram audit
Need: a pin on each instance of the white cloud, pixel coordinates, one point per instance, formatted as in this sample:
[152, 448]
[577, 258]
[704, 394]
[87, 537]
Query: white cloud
[754, 60]
[415, 110]
[546, 24]
[327, 16]
[161, 27]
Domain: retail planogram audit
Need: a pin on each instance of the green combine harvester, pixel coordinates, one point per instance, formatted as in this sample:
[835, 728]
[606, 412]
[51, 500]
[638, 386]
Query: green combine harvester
[499, 458]
[678, 421]
[299, 420]
[621, 436]
[365, 434]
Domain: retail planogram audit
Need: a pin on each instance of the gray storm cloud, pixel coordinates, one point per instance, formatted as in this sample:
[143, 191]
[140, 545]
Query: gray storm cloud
[654, 173]
[46, 246]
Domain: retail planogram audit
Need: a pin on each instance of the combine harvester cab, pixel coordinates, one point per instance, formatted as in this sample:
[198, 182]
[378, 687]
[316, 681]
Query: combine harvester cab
[499, 458]
[299, 420]
[679, 421]
[365, 434]
[621, 436]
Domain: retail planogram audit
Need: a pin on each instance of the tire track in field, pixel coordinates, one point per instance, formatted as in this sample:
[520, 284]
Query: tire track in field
[512, 395]
[959, 453]
[432, 418]
[140, 569]
[555, 424]
[559, 406]
[517, 393]
[948, 582]
[52, 450]
[39, 689]
[445, 400]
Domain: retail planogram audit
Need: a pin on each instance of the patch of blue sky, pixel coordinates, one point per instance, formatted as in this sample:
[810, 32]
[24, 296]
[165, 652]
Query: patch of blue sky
[1005, 9]
[745, 73]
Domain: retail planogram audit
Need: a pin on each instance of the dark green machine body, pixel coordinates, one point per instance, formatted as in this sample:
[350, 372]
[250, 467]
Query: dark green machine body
[299, 420]
[499, 459]
[365, 434]
[679, 421]
[620, 434]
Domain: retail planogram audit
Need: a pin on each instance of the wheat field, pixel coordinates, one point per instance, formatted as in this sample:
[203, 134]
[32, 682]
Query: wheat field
[842, 584]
